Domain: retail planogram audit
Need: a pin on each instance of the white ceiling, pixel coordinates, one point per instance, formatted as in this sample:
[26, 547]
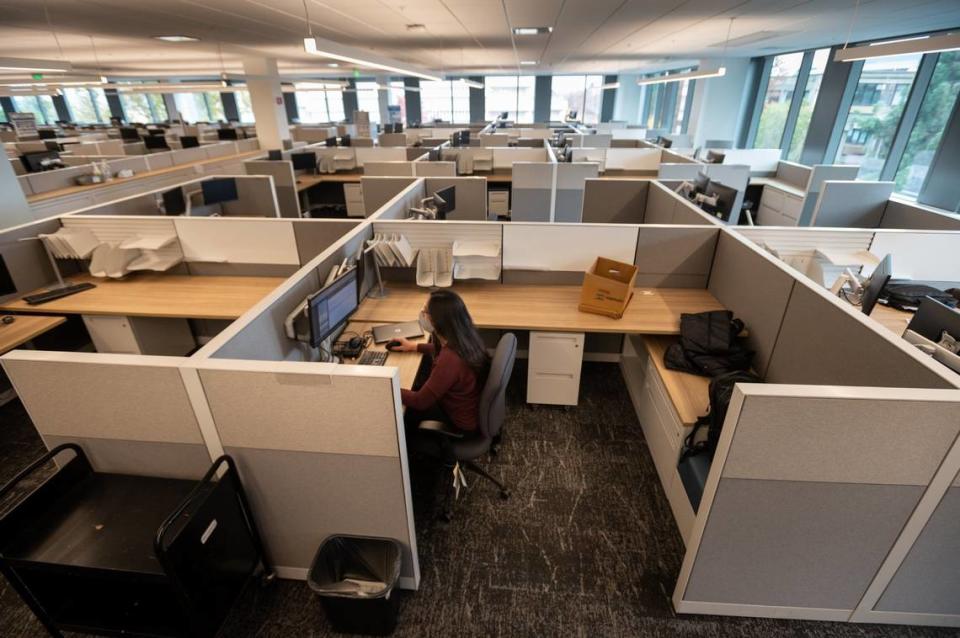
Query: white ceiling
[471, 36]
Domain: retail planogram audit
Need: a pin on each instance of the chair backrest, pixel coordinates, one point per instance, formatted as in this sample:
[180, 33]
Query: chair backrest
[493, 401]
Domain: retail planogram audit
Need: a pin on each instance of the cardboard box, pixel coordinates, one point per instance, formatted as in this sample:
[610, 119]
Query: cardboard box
[607, 287]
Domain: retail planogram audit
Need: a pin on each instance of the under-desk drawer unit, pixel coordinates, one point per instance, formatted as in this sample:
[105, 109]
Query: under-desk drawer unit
[139, 335]
[498, 202]
[353, 196]
[554, 367]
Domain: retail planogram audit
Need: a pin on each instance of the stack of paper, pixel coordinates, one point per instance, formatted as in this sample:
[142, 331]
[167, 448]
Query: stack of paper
[71, 243]
[109, 260]
[392, 251]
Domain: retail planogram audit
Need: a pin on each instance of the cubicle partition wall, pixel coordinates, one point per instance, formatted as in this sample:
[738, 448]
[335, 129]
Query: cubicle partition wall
[532, 197]
[731, 175]
[664, 206]
[851, 204]
[378, 191]
[284, 183]
[620, 201]
[900, 213]
[569, 192]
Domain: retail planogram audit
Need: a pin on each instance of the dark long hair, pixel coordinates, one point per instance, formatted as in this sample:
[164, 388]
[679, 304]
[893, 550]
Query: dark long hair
[452, 321]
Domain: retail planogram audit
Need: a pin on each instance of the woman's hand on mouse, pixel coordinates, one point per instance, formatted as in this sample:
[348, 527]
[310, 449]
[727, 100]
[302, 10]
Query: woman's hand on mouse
[405, 346]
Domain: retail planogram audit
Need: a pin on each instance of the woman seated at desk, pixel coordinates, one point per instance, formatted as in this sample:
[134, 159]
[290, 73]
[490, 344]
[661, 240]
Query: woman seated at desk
[451, 393]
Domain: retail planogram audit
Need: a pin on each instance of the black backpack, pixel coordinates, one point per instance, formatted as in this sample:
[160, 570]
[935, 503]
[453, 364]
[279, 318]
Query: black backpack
[721, 389]
[709, 345]
[907, 296]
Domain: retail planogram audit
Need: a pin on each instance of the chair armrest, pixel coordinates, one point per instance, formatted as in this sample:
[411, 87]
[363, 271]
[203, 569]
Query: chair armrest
[440, 428]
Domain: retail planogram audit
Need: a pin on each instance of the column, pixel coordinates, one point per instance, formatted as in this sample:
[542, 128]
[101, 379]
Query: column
[383, 99]
[350, 101]
[412, 94]
[290, 102]
[477, 101]
[60, 103]
[719, 103]
[171, 104]
[609, 99]
[266, 98]
[113, 101]
[541, 98]
[230, 111]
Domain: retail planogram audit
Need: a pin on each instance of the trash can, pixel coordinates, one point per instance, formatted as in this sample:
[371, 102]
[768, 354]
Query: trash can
[354, 577]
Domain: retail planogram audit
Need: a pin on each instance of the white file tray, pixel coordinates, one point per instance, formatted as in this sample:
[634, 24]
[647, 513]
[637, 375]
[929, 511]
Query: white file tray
[476, 249]
[151, 242]
[155, 262]
[109, 260]
[486, 269]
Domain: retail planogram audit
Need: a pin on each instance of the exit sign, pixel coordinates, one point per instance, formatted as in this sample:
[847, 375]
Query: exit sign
[37, 76]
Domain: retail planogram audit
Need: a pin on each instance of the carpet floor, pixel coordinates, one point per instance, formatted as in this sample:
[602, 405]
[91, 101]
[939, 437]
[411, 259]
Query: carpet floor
[585, 546]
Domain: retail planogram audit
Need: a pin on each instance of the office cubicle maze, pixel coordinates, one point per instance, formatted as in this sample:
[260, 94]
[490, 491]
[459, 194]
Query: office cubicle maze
[596, 502]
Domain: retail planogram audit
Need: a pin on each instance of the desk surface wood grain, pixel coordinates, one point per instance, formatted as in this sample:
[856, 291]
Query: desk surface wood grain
[890, 318]
[689, 393]
[550, 308]
[24, 328]
[159, 295]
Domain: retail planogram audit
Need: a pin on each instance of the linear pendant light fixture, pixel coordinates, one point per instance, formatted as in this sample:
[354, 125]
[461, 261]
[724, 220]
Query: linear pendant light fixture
[699, 74]
[328, 49]
[901, 46]
[473, 84]
[34, 66]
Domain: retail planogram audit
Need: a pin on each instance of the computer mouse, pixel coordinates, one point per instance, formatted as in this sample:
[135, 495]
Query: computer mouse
[7, 319]
[393, 345]
[355, 343]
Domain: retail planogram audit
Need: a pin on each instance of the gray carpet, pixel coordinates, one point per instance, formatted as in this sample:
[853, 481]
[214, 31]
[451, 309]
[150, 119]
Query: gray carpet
[586, 546]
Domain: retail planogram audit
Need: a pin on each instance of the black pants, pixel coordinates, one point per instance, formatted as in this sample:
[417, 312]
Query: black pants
[427, 443]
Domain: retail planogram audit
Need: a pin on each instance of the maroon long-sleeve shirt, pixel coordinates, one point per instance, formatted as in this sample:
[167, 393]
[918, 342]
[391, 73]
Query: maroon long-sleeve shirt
[452, 384]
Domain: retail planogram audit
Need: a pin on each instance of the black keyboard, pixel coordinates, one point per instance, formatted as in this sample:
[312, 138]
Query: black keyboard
[57, 293]
[372, 358]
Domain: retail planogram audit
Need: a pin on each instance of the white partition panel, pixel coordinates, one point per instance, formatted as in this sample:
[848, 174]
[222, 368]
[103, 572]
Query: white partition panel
[930, 256]
[565, 247]
[760, 160]
[633, 159]
[238, 240]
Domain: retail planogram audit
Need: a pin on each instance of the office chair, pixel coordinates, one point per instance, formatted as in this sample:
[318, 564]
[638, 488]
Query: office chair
[466, 449]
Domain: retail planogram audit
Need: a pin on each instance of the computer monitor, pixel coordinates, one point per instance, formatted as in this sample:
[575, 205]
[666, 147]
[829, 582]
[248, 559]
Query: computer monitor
[216, 191]
[878, 280]
[665, 142]
[331, 141]
[156, 132]
[330, 308]
[227, 134]
[129, 134]
[433, 155]
[464, 138]
[398, 128]
[572, 115]
[7, 287]
[445, 200]
[174, 202]
[504, 115]
[46, 134]
[156, 143]
[37, 162]
[304, 161]
[726, 197]
[714, 157]
[189, 141]
[933, 318]
[345, 140]
[275, 155]
[388, 128]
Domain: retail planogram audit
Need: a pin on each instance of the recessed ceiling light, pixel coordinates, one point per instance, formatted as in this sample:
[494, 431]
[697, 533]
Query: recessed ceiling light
[527, 62]
[416, 27]
[333, 64]
[531, 30]
[176, 38]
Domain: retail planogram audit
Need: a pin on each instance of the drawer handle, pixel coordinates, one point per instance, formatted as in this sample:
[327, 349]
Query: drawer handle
[554, 374]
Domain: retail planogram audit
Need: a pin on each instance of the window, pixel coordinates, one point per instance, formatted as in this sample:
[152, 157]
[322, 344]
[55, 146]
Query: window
[312, 106]
[874, 115]
[460, 94]
[510, 93]
[200, 106]
[436, 100]
[580, 93]
[931, 121]
[780, 89]
[87, 105]
[244, 108]
[40, 105]
[143, 107]
[368, 99]
[665, 107]
[807, 102]
[397, 101]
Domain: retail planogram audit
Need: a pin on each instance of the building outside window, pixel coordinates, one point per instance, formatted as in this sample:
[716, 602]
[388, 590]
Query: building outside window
[143, 107]
[200, 106]
[776, 103]
[40, 105]
[580, 93]
[878, 103]
[665, 107]
[244, 108]
[87, 105]
[807, 102]
[932, 119]
[436, 101]
[320, 105]
[510, 93]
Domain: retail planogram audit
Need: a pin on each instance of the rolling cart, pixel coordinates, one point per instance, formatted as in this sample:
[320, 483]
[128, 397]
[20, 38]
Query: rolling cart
[116, 554]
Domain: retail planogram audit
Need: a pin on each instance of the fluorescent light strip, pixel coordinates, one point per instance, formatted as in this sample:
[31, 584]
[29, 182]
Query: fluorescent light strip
[690, 75]
[310, 46]
[34, 66]
[903, 46]
[610, 85]
[471, 83]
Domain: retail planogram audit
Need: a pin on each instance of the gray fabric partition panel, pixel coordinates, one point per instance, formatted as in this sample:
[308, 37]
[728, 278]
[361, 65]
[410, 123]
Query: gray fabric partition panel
[899, 214]
[27, 261]
[471, 194]
[675, 257]
[314, 237]
[755, 289]
[345, 493]
[928, 580]
[797, 543]
[614, 201]
[659, 206]
[218, 269]
[530, 204]
[377, 191]
[568, 205]
[822, 344]
[289, 202]
[851, 204]
[685, 213]
[144, 458]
